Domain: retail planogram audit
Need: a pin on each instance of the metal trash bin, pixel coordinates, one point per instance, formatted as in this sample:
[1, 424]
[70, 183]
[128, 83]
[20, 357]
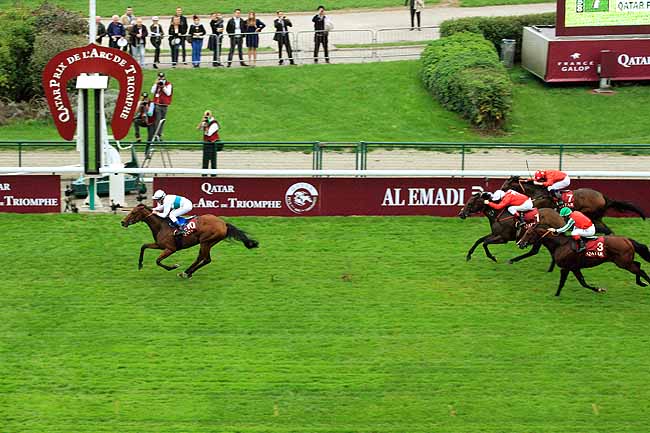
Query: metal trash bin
[508, 48]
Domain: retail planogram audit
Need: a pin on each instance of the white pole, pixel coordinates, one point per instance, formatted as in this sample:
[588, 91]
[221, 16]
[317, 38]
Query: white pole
[92, 25]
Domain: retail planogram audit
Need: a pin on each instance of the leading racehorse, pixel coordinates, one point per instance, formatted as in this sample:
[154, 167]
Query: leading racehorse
[503, 226]
[617, 249]
[208, 231]
[586, 200]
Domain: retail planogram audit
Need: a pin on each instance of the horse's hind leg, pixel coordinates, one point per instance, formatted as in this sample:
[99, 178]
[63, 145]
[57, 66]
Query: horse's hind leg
[166, 253]
[635, 268]
[202, 259]
[583, 283]
[476, 244]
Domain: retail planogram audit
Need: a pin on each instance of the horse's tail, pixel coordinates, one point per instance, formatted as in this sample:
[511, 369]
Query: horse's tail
[641, 250]
[624, 206]
[240, 235]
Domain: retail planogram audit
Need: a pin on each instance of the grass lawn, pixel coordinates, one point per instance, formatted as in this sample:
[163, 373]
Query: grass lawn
[205, 7]
[478, 3]
[378, 101]
[320, 330]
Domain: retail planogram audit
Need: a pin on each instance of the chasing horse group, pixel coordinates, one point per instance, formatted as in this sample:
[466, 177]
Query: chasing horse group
[534, 211]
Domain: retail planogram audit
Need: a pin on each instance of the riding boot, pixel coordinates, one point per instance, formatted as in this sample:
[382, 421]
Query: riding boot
[558, 198]
[521, 219]
[580, 245]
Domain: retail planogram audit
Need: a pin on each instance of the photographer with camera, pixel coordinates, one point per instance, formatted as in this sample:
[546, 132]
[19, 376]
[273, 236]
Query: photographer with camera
[162, 91]
[211, 140]
[145, 118]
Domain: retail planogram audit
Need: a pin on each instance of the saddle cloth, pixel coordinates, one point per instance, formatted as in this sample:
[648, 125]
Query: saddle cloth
[595, 247]
[567, 198]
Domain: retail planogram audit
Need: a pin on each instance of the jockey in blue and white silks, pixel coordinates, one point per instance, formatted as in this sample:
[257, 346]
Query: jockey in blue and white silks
[171, 206]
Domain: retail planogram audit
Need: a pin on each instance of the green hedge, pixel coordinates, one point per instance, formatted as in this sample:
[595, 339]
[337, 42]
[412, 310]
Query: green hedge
[464, 73]
[495, 29]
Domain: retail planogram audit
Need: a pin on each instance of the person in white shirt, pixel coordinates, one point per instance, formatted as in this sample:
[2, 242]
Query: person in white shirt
[171, 206]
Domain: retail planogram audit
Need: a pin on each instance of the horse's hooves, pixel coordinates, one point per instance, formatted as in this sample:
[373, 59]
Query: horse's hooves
[182, 274]
[139, 267]
[601, 290]
[511, 262]
[176, 266]
[494, 259]
[468, 258]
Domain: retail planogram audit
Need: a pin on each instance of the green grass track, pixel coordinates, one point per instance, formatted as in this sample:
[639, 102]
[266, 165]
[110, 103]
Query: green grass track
[333, 325]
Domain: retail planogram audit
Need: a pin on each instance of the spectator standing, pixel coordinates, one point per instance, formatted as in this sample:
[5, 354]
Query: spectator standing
[176, 38]
[282, 24]
[115, 32]
[216, 38]
[322, 26]
[196, 32]
[235, 29]
[101, 30]
[211, 140]
[156, 33]
[253, 27]
[183, 24]
[162, 91]
[415, 7]
[138, 41]
[128, 21]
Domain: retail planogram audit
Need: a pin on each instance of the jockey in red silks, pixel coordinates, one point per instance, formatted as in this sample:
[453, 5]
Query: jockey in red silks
[516, 202]
[582, 226]
[554, 180]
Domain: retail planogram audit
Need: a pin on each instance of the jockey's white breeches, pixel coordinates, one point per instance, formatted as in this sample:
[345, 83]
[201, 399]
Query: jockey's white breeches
[525, 207]
[563, 184]
[584, 232]
[175, 213]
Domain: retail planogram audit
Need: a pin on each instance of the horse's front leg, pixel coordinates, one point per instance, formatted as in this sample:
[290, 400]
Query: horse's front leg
[476, 244]
[534, 250]
[144, 247]
[166, 253]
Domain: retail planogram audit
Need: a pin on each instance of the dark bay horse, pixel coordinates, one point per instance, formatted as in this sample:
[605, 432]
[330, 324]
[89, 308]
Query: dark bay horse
[503, 226]
[210, 230]
[588, 201]
[618, 249]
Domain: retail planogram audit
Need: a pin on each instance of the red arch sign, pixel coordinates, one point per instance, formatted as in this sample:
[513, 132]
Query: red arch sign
[92, 59]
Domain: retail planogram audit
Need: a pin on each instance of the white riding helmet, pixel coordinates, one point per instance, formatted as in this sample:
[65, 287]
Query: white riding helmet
[498, 195]
[159, 195]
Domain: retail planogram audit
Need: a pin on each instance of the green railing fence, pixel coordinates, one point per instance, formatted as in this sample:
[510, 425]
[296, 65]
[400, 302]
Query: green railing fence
[360, 149]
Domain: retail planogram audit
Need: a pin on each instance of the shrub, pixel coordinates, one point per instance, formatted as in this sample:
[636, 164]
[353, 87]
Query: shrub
[494, 29]
[464, 73]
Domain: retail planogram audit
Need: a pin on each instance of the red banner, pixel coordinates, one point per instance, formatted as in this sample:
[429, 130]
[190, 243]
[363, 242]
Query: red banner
[30, 194]
[578, 60]
[92, 59]
[356, 196]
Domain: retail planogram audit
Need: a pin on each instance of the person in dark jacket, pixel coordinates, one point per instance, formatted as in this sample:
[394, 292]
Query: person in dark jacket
[321, 33]
[236, 28]
[138, 40]
[196, 33]
[183, 24]
[156, 33]
[115, 32]
[216, 38]
[282, 24]
[101, 30]
[176, 37]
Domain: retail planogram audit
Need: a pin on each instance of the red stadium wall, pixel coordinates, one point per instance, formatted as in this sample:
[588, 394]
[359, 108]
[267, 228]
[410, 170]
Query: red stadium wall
[357, 196]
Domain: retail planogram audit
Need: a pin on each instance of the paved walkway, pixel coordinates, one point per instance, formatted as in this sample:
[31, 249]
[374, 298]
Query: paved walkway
[357, 27]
